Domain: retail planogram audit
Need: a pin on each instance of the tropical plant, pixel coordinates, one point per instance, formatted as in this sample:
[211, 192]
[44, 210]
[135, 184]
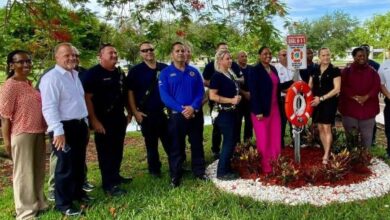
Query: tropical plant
[284, 170]
[246, 157]
[338, 166]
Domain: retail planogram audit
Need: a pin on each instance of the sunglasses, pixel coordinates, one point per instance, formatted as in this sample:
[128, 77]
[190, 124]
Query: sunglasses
[147, 50]
[23, 61]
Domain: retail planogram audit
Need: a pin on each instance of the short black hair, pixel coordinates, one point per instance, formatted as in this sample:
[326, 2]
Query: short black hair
[221, 43]
[104, 46]
[262, 48]
[176, 43]
[366, 47]
[10, 59]
[356, 50]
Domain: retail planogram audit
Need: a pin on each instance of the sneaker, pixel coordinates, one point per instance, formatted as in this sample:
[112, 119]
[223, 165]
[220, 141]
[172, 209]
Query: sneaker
[51, 196]
[202, 177]
[116, 191]
[71, 212]
[88, 187]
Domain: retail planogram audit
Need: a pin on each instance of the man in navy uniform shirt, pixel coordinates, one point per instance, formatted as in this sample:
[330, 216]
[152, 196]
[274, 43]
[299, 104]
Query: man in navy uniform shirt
[244, 106]
[181, 90]
[207, 74]
[146, 105]
[106, 98]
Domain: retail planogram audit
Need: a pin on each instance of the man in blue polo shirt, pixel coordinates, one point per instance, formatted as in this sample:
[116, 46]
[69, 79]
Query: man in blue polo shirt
[146, 105]
[181, 90]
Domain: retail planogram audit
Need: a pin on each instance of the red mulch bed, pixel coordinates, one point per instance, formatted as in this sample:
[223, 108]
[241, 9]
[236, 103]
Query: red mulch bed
[310, 157]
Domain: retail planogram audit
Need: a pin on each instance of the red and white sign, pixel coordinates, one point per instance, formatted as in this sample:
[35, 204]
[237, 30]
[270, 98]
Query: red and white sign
[296, 51]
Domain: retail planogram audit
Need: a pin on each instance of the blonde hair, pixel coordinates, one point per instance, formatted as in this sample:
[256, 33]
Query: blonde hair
[218, 57]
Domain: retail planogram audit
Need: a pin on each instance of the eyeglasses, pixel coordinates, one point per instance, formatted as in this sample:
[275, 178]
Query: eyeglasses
[147, 50]
[23, 61]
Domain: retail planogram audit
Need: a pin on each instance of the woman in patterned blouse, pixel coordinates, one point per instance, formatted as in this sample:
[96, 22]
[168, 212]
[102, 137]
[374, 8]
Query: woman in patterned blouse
[23, 129]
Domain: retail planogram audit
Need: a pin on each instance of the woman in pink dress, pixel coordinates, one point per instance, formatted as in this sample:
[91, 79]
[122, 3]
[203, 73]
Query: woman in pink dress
[266, 107]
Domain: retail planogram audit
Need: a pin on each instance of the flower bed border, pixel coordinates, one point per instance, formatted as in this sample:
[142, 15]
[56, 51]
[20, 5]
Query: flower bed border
[376, 185]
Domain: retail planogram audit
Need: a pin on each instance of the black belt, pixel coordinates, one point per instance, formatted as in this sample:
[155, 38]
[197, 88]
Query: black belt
[74, 121]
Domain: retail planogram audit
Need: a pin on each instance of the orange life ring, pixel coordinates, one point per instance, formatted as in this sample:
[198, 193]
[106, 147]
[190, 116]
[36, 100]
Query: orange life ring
[298, 94]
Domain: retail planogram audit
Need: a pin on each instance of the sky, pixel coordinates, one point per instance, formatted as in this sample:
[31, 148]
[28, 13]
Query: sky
[360, 9]
[311, 9]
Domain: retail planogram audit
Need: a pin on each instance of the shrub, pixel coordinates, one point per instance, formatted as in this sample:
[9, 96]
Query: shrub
[338, 166]
[283, 169]
[246, 157]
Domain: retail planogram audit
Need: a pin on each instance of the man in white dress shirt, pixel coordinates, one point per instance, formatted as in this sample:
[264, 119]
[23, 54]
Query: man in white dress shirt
[65, 112]
[384, 73]
[285, 74]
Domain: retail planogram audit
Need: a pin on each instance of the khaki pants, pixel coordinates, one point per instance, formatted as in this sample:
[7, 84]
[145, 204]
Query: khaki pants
[28, 153]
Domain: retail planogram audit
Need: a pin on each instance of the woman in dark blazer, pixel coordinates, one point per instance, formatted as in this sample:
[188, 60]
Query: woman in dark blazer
[266, 107]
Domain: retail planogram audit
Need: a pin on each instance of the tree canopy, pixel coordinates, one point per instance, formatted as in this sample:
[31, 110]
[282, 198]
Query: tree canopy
[331, 30]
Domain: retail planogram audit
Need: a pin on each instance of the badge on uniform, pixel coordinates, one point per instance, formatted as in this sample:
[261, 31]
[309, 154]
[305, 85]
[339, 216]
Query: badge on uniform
[192, 74]
[172, 74]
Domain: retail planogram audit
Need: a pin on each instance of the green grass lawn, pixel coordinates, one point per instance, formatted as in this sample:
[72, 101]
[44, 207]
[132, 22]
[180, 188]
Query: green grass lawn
[151, 198]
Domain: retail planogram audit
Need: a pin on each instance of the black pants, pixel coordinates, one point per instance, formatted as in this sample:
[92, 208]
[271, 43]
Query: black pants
[227, 123]
[70, 173]
[153, 127]
[179, 128]
[386, 113]
[244, 112]
[284, 122]
[109, 148]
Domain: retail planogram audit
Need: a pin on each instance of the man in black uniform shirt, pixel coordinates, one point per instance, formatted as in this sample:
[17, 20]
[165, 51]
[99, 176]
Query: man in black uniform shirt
[146, 105]
[106, 98]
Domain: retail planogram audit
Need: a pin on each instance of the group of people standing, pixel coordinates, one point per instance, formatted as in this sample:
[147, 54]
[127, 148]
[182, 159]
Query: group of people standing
[166, 101]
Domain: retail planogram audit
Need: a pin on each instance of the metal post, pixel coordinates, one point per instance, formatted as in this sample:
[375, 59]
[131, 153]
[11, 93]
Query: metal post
[297, 143]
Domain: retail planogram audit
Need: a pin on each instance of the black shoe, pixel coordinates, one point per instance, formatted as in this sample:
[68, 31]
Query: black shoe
[71, 212]
[175, 182]
[125, 180]
[202, 177]
[88, 187]
[116, 191]
[51, 196]
[229, 176]
[216, 156]
[86, 199]
[155, 174]
[185, 170]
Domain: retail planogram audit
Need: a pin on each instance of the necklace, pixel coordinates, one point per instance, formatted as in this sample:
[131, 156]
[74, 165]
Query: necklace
[268, 69]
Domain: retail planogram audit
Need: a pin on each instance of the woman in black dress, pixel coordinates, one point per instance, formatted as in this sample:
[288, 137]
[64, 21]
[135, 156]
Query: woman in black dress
[325, 83]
